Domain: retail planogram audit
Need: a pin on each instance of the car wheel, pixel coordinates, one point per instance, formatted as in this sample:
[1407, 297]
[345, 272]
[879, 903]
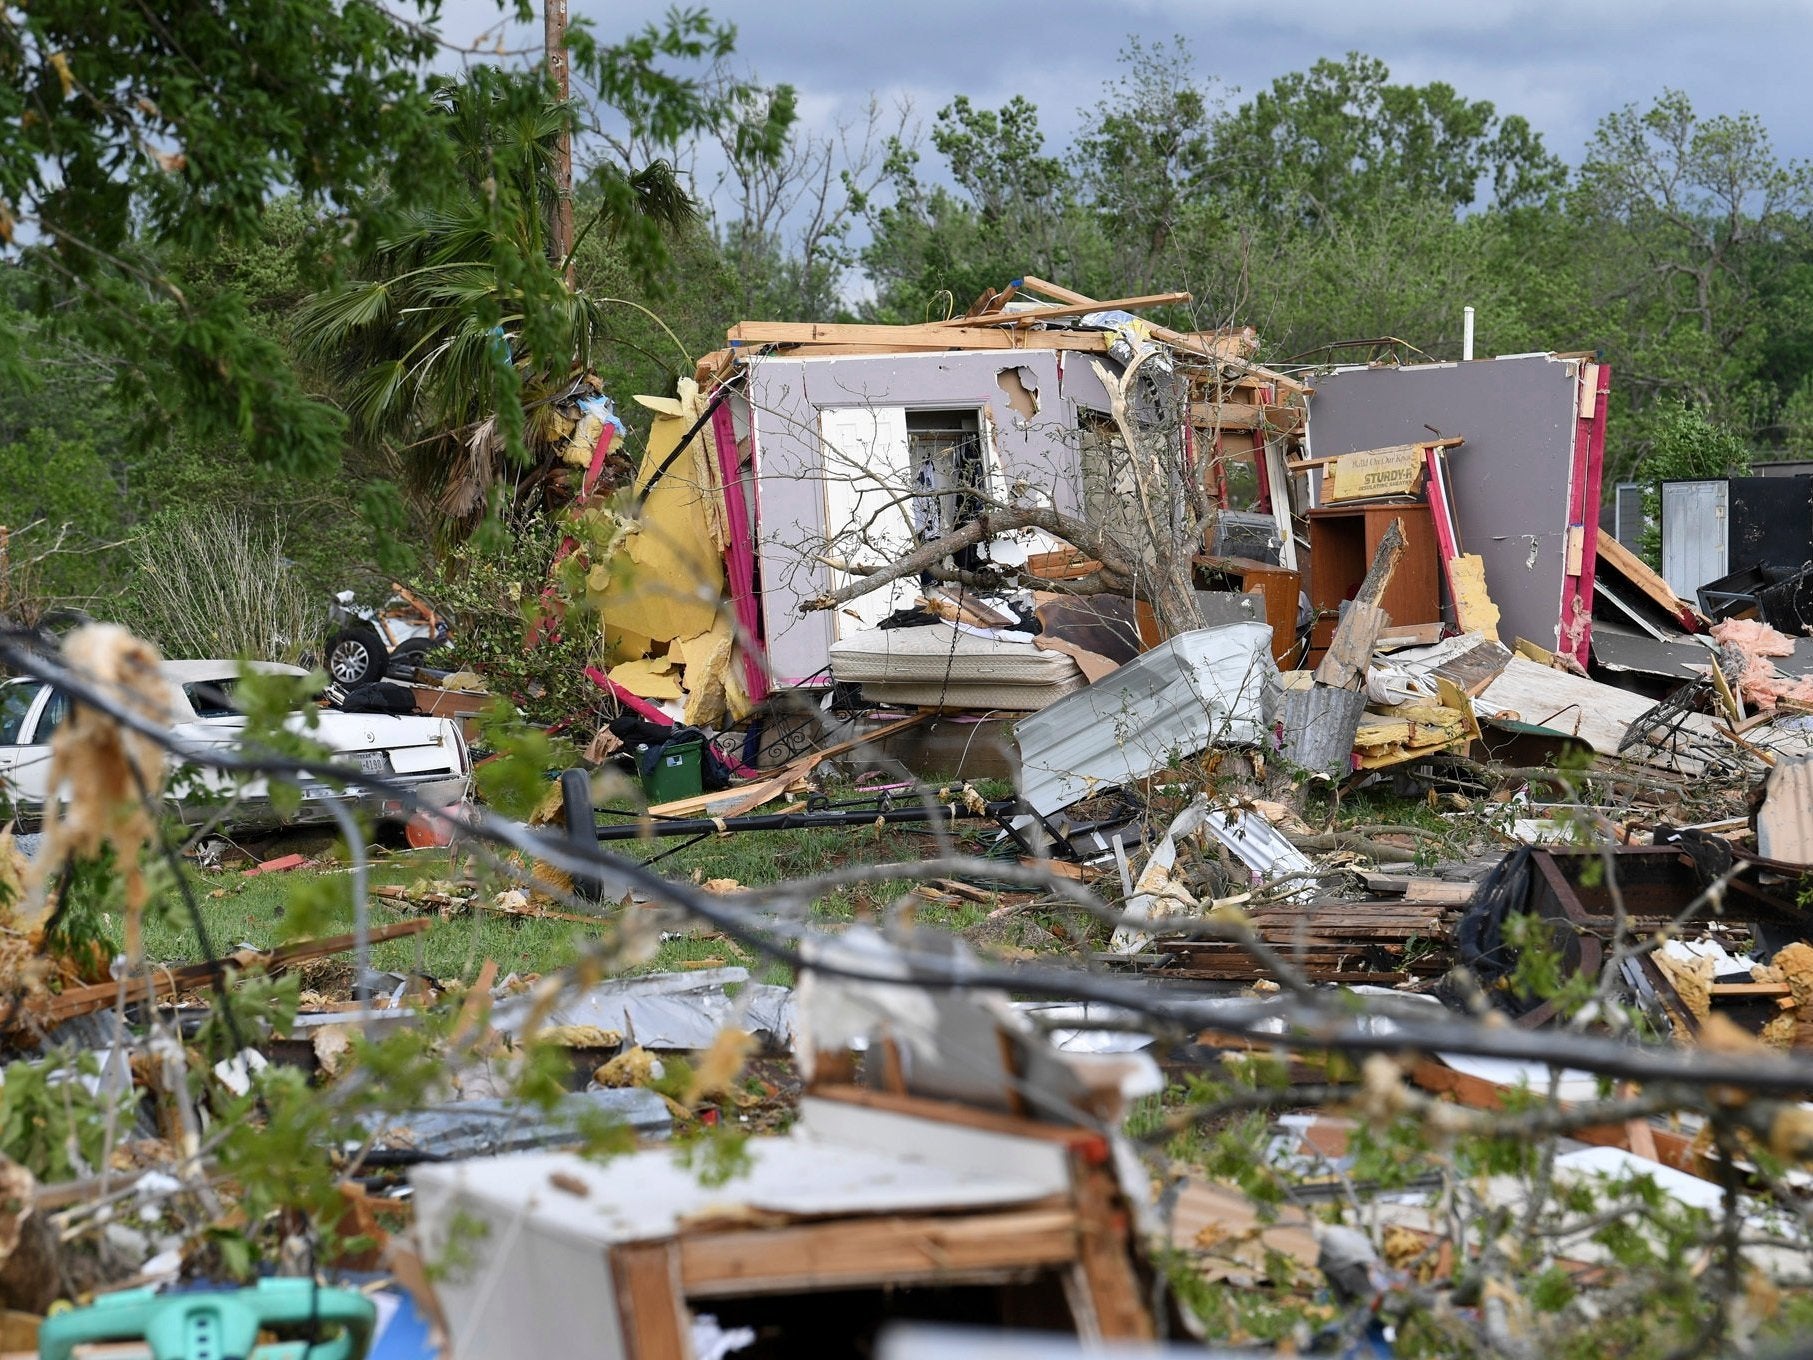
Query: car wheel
[355, 656]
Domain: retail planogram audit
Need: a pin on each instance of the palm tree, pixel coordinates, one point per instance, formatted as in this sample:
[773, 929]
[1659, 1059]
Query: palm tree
[461, 337]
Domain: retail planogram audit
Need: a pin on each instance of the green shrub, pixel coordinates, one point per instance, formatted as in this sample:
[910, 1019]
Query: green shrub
[496, 588]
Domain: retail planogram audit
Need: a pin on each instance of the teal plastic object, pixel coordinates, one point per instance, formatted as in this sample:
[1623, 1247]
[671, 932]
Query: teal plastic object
[205, 1324]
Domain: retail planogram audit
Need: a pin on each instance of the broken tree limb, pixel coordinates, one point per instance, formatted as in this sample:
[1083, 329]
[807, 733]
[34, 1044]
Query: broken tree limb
[1114, 577]
[1350, 650]
[1347, 840]
[1384, 562]
[1319, 726]
[165, 981]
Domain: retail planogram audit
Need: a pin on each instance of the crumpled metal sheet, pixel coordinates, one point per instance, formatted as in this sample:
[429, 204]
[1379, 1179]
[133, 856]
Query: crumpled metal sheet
[484, 1128]
[668, 1011]
[1211, 687]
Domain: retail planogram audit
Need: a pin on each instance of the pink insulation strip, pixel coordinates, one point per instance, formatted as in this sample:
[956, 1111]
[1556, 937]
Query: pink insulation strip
[739, 556]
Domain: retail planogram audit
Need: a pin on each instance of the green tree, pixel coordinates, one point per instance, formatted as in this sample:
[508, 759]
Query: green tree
[1014, 211]
[461, 331]
[1334, 141]
[128, 129]
[1687, 227]
[1147, 162]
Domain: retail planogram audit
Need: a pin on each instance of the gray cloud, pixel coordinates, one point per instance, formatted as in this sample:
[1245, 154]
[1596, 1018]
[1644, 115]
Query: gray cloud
[1560, 66]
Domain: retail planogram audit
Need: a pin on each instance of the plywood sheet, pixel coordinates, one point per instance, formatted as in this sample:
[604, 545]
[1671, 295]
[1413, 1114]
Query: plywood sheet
[1597, 714]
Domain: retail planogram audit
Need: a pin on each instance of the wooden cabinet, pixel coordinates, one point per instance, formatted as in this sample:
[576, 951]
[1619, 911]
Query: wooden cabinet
[1342, 540]
[1279, 586]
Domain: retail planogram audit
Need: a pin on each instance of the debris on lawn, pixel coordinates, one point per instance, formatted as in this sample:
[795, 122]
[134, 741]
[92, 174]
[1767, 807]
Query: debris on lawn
[1367, 798]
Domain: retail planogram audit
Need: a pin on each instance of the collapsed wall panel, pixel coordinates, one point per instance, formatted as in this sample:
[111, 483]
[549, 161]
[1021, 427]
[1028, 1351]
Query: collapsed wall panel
[1525, 485]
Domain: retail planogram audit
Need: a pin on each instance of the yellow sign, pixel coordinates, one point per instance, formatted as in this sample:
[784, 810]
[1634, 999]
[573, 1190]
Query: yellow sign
[1381, 472]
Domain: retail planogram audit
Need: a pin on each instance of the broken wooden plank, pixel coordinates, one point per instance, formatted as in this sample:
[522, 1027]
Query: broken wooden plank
[1230, 349]
[651, 1301]
[1411, 635]
[1104, 1266]
[1634, 569]
[1737, 991]
[873, 1252]
[911, 337]
[1441, 891]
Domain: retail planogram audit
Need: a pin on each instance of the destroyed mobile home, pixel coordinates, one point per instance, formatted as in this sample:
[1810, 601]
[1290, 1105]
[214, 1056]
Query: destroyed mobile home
[1457, 1079]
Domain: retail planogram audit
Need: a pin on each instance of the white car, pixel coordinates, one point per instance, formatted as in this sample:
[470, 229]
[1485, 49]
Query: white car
[426, 755]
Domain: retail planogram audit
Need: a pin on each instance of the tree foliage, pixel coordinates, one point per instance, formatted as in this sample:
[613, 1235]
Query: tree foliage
[127, 131]
[1327, 144]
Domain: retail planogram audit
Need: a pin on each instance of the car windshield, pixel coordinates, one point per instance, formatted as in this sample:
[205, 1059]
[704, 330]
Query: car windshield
[212, 698]
[15, 702]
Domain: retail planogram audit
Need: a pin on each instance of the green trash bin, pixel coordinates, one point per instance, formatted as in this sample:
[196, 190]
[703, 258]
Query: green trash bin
[675, 772]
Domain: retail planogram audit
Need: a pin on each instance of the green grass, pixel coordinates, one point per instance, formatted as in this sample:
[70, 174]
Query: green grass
[239, 910]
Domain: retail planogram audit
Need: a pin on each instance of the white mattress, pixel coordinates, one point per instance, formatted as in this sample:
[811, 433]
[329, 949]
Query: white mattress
[971, 695]
[938, 666]
[940, 655]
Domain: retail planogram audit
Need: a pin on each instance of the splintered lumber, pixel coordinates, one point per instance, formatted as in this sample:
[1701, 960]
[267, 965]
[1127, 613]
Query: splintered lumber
[1335, 942]
[1406, 732]
[1446, 892]
[75, 1001]
[1209, 349]
[912, 337]
[1034, 314]
[1474, 669]
[1635, 570]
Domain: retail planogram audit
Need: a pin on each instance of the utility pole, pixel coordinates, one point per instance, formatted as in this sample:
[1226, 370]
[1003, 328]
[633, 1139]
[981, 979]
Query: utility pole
[554, 38]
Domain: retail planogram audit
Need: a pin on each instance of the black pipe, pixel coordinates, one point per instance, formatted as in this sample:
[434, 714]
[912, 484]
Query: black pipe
[711, 409]
[800, 821]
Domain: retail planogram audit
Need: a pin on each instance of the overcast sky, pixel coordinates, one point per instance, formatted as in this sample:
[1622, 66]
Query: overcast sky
[1560, 65]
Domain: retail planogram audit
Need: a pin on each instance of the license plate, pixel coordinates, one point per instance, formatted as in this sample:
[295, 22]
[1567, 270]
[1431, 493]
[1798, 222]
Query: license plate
[372, 762]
